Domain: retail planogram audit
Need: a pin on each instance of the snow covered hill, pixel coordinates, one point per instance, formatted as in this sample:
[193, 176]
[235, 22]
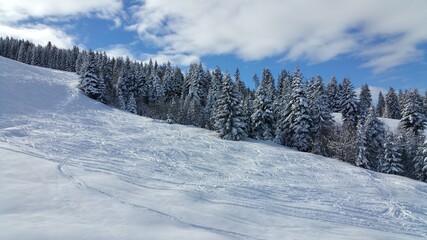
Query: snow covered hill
[73, 168]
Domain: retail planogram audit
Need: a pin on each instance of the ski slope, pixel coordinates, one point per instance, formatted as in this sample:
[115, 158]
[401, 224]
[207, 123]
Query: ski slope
[73, 168]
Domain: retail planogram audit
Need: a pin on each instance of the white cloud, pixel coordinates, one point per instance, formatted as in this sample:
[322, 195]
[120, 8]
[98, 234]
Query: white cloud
[315, 31]
[119, 50]
[40, 12]
[38, 34]
[18, 10]
[175, 59]
[122, 50]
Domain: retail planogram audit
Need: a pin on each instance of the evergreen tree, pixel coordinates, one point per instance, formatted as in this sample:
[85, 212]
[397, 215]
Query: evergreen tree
[229, 113]
[375, 136]
[412, 118]
[297, 121]
[247, 112]
[284, 86]
[131, 105]
[420, 162]
[172, 82]
[73, 59]
[349, 104]
[168, 81]
[193, 93]
[365, 101]
[408, 145]
[392, 108]
[89, 81]
[21, 53]
[36, 56]
[262, 119]
[284, 89]
[241, 88]
[125, 83]
[268, 81]
[391, 159]
[321, 117]
[118, 64]
[362, 156]
[192, 108]
[52, 59]
[213, 95]
[401, 98]
[104, 78]
[380, 105]
[333, 100]
[121, 100]
[156, 91]
[141, 85]
[255, 78]
[425, 103]
[81, 61]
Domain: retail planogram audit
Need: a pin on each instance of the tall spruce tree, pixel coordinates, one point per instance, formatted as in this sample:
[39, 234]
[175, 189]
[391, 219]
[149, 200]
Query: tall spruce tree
[131, 105]
[241, 87]
[391, 159]
[89, 80]
[380, 105]
[297, 120]
[375, 137]
[255, 79]
[321, 118]
[213, 95]
[349, 106]
[172, 87]
[125, 84]
[408, 145]
[284, 90]
[365, 101]
[192, 108]
[425, 103]
[193, 94]
[420, 162]
[229, 113]
[333, 95]
[392, 108]
[412, 118]
[362, 156]
[263, 122]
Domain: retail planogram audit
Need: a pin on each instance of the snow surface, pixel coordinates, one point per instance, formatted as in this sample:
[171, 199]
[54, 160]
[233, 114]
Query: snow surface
[73, 168]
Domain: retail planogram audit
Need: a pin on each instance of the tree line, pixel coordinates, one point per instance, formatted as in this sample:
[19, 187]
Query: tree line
[295, 112]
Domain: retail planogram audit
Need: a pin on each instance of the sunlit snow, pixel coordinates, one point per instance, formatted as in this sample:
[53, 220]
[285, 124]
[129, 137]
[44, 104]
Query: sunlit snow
[73, 168]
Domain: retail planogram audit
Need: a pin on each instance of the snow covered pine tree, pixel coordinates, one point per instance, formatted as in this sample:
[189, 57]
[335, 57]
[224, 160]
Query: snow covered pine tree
[89, 81]
[229, 113]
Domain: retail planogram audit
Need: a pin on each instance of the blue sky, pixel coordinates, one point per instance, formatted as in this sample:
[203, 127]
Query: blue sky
[379, 42]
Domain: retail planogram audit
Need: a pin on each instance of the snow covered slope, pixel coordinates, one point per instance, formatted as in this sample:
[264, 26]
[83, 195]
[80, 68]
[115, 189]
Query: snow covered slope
[73, 168]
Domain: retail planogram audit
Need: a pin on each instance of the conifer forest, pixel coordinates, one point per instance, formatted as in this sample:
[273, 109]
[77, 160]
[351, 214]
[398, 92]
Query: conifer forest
[291, 109]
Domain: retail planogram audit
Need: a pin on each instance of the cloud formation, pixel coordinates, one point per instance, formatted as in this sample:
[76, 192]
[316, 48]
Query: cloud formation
[119, 50]
[384, 33]
[16, 17]
[175, 59]
[123, 50]
[14, 11]
[39, 34]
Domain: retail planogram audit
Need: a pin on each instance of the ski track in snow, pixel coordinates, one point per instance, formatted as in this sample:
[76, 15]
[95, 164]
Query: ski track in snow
[148, 164]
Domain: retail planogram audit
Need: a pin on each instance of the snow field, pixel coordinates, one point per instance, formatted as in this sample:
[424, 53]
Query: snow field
[75, 168]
